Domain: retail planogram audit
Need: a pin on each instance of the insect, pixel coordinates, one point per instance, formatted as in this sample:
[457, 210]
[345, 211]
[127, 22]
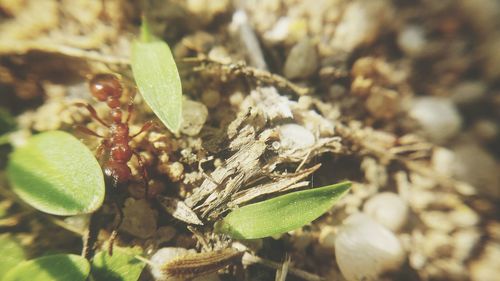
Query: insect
[107, 88]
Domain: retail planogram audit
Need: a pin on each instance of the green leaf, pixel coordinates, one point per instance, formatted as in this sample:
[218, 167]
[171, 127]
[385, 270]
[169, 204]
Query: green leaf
[57, 174]
[51, 268]
[281, 214]
[122, 266]
[157, 78]
[12, 253]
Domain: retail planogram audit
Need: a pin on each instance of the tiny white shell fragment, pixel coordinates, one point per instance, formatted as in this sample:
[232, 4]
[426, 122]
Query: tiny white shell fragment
[364, 249]
[389, 209]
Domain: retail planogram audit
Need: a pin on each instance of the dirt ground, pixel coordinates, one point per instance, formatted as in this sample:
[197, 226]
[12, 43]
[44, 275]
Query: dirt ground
[400, 97]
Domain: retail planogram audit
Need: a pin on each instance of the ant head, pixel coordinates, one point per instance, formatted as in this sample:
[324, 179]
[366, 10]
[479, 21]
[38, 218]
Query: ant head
[104, 86]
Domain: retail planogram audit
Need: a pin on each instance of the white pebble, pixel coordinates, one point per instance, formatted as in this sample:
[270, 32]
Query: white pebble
[293, 136]
[194, 115]
[302, 61]
[364, 249]
[389, 209]
[412, 40]
[438, 117]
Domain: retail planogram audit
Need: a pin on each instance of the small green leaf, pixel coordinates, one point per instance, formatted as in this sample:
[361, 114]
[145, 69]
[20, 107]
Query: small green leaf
[281, 214]
[51, 268]
[57, 174]
[12, 253]
[157, 78]
[122, 266]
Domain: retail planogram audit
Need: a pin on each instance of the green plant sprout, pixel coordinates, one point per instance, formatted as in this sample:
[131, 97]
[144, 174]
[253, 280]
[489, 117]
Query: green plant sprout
[57, 174]
[281, 214]
[157, 78]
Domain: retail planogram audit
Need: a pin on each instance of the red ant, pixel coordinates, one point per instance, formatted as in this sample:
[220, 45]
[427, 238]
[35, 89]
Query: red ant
[107, 88]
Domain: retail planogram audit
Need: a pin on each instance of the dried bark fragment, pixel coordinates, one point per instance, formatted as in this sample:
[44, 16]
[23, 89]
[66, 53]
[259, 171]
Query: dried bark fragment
[179, 210]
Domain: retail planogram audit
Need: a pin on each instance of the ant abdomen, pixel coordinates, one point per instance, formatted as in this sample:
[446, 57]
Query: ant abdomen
[117, 172]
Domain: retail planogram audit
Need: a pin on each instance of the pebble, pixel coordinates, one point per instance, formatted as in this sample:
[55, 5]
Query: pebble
[411, 40]
[364, 249]
[486, 268]
[437, 244]
[210, 98]
[139, 219]
[476, 166]
[485, 130]
[174, 170]
[279, 32]
[465, 242]
[383, 103]
[468, 92]
[389, 209]
[194, 115]
[438, 118]
[360, 24]
[294, 136]
[302, 61]
[437, 220]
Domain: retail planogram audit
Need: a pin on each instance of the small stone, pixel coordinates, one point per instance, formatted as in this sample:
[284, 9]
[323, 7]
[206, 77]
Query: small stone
[194, 115]
[293, 136]
[438, 118]
[383, 103]
[210, 98]
[486, 268]
[465, 241]
[302, 61]
[412, 40]
[476, 166]
[139, 219]
[279, 31]
[364, 249]
[468, 92]
[173, 170]
[464, 216]
[486, 130]
[388, 209]
[442, 161]
[360, 24]
[437, 244]
[437, 220]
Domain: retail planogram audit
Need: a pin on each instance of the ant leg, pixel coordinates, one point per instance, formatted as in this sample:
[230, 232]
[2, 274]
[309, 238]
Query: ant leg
[87, 131]
[144, 173]
[90, 237]
[92, 111]
[100, 148]
[114, 233]
[146, 127]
